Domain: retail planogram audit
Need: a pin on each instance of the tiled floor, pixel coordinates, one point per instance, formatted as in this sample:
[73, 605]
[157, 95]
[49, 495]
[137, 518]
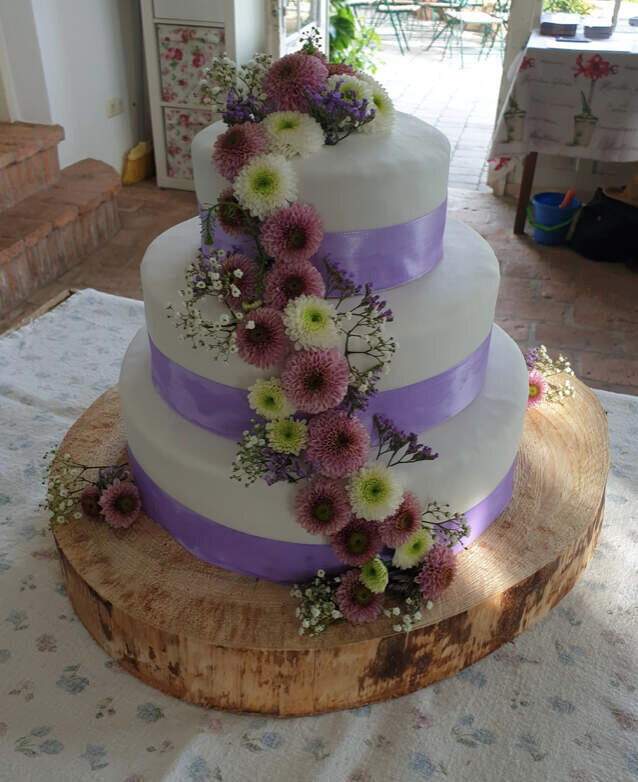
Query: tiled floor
[459, 101]
[548, 295]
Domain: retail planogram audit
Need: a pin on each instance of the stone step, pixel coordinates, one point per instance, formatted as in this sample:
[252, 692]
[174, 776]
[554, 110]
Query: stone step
[49, 232]
[28, 160]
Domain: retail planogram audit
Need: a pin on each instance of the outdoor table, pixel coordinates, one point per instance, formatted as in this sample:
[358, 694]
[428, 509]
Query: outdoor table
[579, 100]
[558, 703]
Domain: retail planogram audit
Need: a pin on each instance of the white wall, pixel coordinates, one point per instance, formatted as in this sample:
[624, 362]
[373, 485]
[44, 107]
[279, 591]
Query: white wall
[85, 64]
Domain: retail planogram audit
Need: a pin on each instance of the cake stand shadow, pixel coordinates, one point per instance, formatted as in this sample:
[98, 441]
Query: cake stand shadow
[231, 642]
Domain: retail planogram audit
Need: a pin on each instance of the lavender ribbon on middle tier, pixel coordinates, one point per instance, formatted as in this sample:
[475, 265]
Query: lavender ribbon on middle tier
[384, 257]
[224, 409]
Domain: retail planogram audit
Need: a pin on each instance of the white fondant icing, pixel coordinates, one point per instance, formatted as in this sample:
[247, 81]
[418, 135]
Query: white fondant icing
[476, 449]
[365, 181]
[439, 319]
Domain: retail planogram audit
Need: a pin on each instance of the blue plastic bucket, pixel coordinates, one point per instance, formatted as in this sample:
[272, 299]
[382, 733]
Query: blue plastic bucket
[551, 223]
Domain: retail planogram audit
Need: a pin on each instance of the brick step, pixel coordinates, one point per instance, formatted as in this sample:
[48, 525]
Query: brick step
[49, 232]
[28, 160]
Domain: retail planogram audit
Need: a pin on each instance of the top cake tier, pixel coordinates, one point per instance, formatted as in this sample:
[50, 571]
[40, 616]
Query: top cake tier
[364, 182]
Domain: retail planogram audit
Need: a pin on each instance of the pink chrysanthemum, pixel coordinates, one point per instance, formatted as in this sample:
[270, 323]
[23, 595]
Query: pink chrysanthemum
[322, 507]
[537, 389]
[90, 501]
[315, 380]
[286, 78]
[234, 148]
[261, 338]
[286, 281]
[293, 233]
[357, 542]
[338, 444]
[340, 68]
[355, 601]
[245, 283]
[405, 521]
[437, 572]
[120, 503]
[230, 215]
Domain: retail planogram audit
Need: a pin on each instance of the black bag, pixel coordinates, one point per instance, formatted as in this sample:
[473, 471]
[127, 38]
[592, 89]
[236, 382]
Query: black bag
[607, 230]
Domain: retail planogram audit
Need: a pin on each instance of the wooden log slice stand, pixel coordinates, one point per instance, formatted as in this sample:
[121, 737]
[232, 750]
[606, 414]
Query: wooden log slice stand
[231, 642]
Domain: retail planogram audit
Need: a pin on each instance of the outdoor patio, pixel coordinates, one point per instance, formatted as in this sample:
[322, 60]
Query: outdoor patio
[456, 95]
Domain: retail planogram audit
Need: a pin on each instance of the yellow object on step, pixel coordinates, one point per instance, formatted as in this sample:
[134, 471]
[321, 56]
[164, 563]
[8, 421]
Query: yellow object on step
[139, 163]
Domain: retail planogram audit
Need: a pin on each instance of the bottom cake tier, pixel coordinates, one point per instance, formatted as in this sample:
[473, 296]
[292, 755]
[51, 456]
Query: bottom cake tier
[183, 472]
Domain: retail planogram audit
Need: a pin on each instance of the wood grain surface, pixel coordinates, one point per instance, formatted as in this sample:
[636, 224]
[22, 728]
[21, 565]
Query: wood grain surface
[228, 641]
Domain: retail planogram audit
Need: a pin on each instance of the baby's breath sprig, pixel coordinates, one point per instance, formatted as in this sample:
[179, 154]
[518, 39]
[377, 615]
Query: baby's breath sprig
[317, 605]
[255, 459]
[440, 520]
[65, 479]
[559, 390]
[398, 447]
[223, 79]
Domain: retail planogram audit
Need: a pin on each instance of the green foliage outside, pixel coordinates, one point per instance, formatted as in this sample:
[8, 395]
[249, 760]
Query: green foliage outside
[351, 40]
[567, 6]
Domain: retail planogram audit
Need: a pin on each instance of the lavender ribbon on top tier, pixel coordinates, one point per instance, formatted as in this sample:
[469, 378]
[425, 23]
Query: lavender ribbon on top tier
[385, 257]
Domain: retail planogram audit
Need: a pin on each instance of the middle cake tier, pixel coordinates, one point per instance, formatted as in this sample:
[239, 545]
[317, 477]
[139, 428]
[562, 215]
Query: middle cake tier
[183, 472]
[442, 322]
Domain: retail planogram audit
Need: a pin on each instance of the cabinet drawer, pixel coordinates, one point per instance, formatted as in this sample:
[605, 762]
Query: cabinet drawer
[195, 10]
[184, 53]
[180, 127]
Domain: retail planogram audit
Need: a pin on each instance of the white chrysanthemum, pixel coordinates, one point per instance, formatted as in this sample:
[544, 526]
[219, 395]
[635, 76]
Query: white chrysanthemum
[293, 134]
[287, 435]
[374, 492]
[267, 398]
[311, 322]
[264, 184]
[362, 90]
[383, 121]
[415, 548]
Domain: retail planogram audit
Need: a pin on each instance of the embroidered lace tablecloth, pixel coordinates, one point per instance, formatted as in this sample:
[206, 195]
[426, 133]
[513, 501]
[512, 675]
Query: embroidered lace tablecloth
[559, 704]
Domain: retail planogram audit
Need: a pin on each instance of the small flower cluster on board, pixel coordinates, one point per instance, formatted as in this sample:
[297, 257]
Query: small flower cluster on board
[544, 383]
[323, 336]
[103, 493]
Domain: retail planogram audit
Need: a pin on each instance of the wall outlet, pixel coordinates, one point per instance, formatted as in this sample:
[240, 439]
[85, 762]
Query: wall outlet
[114, 106]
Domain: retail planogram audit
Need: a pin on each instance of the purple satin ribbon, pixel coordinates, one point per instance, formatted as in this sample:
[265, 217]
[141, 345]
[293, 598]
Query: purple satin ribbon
[385, 257]
[225, 411]
[273, 560]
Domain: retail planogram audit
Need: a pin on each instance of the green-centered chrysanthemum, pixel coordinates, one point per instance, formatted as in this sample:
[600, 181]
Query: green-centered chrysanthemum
[293, 134]
[311, 322]
[287, 435]
[264, 184]
[374, 575]
[267, 398]
[384, 115]
[374, 492]
[415, 548]
[350, 87]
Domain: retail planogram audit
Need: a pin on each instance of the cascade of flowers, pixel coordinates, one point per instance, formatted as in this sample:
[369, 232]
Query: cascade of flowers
[323, 338]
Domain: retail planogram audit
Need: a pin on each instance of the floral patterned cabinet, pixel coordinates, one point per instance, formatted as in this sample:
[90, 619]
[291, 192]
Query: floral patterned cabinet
[180, 39]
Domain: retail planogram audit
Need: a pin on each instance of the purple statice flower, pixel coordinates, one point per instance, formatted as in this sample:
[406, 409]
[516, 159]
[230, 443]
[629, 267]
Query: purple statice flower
[531, 357]
[243, 108]
[338, 113]
[397, 446]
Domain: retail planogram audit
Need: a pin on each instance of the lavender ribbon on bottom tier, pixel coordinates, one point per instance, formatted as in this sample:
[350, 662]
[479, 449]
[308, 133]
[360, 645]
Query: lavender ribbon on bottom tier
[273, 560]
[225, 411]
[384, 257]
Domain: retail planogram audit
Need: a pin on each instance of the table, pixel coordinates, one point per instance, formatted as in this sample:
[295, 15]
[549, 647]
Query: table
[573, 99]
[559, 703]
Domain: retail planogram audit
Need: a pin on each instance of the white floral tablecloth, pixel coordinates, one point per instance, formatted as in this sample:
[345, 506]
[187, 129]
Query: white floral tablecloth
[558, 704]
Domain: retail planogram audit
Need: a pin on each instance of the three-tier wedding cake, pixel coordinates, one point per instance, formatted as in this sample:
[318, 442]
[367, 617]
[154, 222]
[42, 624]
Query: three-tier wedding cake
[267, 336]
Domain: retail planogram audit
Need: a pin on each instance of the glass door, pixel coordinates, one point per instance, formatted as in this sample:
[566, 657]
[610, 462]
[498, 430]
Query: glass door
[292, 18]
